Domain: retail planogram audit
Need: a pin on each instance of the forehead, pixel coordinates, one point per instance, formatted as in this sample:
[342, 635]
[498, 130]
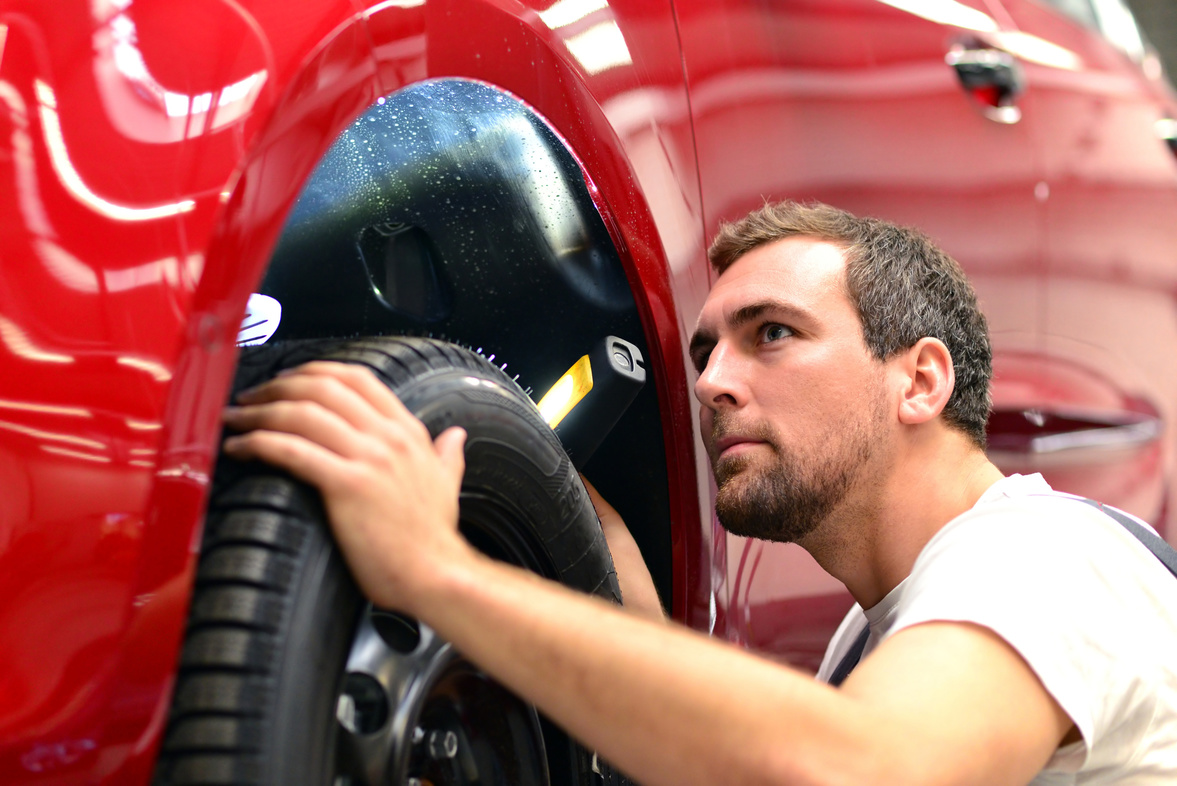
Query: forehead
[808, 274]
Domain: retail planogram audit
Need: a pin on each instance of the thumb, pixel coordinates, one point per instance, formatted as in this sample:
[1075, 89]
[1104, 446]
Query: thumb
[450, 445]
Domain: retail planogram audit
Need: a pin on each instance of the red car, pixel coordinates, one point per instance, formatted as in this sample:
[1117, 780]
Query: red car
[523, 180]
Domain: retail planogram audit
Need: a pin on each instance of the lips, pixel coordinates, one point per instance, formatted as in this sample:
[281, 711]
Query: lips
[728, 432]
[724, 443]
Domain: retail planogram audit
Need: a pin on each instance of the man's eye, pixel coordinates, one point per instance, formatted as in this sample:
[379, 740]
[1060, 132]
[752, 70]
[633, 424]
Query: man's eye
[775, 332]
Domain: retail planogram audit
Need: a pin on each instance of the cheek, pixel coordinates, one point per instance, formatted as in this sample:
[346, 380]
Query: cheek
[860, 400]
[706, 416]
[812, 405]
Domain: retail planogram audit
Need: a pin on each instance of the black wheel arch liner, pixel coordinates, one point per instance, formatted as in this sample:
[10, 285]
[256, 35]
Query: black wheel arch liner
[449, 208]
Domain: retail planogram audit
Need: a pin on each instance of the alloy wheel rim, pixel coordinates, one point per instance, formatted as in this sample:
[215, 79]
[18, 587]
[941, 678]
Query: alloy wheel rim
[412, 711]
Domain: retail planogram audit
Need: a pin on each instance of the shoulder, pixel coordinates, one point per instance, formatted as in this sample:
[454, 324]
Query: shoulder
[1048, 552]
[1084, 603]
[1035, 530]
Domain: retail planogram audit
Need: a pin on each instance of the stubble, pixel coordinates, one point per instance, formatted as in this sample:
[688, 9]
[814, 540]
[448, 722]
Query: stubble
[786, 496]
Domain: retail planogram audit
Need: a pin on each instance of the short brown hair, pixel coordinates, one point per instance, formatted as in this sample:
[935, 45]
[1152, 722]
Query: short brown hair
[903, 287]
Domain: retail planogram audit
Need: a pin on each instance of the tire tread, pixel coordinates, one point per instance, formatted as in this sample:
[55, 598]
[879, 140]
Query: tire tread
[252, 543]
[255, 544]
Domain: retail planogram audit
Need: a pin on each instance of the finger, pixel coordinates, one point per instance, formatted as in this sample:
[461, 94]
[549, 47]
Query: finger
[329, 391]
[361, 379]
[451, 445]
[302, 458]
[332, 385]
[305, 419]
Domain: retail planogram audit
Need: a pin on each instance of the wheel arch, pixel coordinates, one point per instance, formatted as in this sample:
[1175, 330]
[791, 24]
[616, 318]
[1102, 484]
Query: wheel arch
[246, 248]
[451, 208]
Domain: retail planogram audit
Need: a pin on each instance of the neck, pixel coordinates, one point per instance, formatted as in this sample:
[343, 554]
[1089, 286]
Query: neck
[872, 540]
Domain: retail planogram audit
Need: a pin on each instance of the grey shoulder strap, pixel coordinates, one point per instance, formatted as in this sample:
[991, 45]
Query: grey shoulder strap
[1162, 550]
[851, 658]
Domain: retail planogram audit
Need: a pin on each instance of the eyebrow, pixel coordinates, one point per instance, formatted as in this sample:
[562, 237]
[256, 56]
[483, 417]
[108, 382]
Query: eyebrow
[704, 338]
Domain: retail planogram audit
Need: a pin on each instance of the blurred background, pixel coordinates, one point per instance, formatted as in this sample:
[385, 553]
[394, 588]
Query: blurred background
[1158, 19]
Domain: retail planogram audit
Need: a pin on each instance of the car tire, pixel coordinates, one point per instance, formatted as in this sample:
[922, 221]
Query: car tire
[277, 682]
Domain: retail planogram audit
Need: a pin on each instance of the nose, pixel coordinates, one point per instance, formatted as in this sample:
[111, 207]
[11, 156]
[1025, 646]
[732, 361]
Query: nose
[719, 384]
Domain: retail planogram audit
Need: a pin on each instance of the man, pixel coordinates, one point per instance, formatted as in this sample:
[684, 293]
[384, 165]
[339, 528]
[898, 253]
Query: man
[843, 374]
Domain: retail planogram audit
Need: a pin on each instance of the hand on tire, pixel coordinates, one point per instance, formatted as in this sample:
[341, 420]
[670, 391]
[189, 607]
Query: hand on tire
[391, 492]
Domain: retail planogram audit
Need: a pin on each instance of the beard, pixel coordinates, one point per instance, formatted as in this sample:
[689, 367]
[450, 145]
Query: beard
[792, 495]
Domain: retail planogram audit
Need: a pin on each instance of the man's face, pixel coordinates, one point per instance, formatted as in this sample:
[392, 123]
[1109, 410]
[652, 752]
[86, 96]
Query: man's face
[793, 406]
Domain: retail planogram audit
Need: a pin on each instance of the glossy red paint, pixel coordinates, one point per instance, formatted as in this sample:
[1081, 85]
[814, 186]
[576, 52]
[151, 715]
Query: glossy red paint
[123, 360]
[1056, 217]
[150, 151]
[1108, 292]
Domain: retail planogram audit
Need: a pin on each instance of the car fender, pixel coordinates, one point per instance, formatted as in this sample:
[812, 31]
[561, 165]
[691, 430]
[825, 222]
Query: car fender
[234, 232]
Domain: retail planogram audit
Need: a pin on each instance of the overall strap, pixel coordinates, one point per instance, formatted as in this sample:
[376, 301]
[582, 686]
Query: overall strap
[850, 659]
[1162, 550]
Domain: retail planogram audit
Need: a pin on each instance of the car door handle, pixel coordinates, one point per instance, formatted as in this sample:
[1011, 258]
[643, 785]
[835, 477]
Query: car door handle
[991, 77]
[1038, 431]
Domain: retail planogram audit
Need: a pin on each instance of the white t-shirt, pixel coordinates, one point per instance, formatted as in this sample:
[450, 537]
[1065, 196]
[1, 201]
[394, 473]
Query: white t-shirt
[1089, 608]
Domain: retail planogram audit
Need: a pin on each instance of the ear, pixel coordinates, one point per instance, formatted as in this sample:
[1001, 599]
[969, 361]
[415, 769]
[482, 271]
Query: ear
[926, 379]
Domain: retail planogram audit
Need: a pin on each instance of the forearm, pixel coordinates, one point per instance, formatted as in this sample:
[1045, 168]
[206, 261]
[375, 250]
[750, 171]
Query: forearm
[665, 704]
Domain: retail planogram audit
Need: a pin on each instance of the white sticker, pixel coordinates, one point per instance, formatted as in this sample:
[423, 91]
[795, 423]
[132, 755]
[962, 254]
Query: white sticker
[262, 315]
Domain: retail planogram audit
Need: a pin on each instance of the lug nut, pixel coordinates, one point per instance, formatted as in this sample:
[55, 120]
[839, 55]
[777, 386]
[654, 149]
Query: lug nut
[443, 744]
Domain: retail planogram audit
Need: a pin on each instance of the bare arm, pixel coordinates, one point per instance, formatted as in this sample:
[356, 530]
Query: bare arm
[939, 703]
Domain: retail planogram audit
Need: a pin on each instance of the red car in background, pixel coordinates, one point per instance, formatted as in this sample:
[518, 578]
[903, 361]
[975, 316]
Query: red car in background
[523, 179]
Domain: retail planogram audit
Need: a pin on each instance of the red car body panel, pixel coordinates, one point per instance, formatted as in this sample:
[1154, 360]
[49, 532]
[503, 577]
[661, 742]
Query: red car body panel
[150, 152]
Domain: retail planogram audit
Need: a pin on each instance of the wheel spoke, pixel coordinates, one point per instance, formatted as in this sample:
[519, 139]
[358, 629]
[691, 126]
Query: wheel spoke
[411, 709]
[392, 663]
